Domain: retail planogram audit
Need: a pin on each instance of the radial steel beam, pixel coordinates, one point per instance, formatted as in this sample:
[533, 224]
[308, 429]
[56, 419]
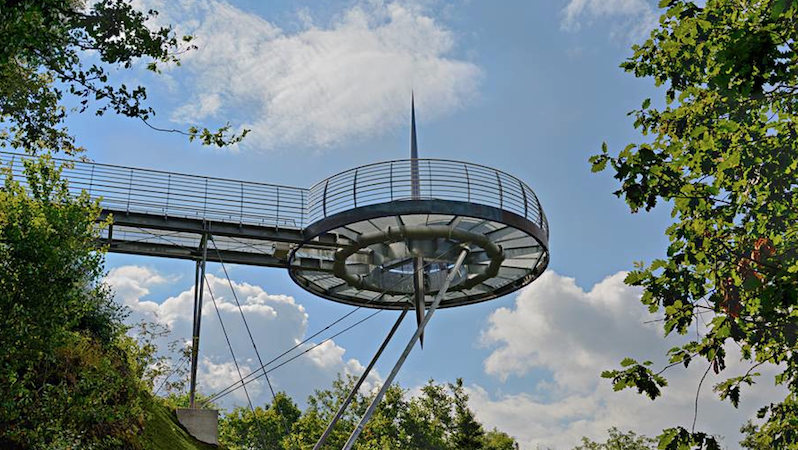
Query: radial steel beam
[373, 406]
[359, 383]
[198, 290]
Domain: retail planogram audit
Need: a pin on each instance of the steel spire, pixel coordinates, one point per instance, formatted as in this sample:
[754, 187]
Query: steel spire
[413, 141]
[419, 298]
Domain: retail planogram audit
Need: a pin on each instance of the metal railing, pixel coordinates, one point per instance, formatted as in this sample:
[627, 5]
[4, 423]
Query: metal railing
[127, 189]
[439, 179]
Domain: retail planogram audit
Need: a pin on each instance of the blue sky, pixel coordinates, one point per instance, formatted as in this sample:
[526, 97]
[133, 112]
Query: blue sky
[529, 87]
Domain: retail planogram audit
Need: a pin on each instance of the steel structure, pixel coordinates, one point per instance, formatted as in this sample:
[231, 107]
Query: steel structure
[381, 226]
[416, 233]
[165, 214]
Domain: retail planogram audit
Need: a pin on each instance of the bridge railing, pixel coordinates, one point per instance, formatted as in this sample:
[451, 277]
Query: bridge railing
[437, 179]
[127, 189]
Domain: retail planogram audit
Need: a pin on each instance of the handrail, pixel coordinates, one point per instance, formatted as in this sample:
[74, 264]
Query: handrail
[440, 179]
[169, 194]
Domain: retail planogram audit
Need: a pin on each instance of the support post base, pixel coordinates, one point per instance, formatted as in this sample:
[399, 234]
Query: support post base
[202, 424]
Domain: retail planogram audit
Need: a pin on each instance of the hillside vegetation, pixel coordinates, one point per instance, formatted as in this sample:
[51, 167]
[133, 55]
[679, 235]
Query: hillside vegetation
[162, 431]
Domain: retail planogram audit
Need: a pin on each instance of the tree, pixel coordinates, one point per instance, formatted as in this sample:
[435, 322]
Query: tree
[385, 430]
[467, 432]
[499, 440]
[618, 440]
[69, 375]
[429, 418]
[438, 418]
[51, 47]
[243, 429]
[322, 406]
[721, 152]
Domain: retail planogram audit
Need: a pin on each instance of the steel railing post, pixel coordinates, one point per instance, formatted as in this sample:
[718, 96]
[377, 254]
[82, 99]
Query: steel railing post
[468, 183]
[324, 200]
[354, 189]
[526, 205]
[205, 202]
[501, 190]
[429, 169]
[302, 211]
[129, 190]
[168, 191]
[91, 180]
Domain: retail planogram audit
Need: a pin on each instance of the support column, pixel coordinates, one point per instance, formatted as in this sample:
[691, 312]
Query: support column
[199, 287]
[389, 380]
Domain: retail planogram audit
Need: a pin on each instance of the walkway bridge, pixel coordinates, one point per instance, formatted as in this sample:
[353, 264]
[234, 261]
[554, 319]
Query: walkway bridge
[167, 214]
[415, 233]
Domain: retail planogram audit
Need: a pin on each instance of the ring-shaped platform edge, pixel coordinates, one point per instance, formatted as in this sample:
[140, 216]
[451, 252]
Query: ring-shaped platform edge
[426, 206]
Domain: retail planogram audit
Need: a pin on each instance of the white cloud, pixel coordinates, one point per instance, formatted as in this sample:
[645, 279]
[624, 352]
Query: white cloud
[323, 84]
[277, 323]
[218, 376]
[631, 19]
[131, 284]
[569, 336]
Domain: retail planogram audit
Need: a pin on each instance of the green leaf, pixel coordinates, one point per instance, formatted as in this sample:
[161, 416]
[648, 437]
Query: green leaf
[628, 362]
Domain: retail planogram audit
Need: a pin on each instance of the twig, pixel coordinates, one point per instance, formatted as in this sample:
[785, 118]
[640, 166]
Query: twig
[697, 392]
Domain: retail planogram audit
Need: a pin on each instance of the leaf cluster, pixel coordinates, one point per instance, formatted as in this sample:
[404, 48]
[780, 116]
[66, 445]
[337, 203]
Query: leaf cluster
[720, 150]
[439, 418]
[54, 47]
[618, 440]
[780, 427]
[69, 375]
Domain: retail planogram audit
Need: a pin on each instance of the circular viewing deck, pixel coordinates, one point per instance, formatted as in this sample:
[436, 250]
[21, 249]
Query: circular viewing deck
[397, 219]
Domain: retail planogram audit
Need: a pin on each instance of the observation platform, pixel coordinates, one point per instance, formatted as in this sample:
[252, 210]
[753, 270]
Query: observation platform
[397, 218]
[353, 238]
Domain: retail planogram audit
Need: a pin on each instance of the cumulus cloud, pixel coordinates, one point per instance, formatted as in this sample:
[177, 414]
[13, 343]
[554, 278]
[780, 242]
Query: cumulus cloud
[567, 337]
[324, 83]
[277, 323]
[632, 19]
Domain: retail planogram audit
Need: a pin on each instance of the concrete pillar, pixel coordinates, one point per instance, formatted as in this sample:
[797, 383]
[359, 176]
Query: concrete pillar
[203, 424]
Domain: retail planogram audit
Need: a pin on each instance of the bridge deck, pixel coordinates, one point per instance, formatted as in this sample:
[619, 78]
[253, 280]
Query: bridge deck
[164, 214]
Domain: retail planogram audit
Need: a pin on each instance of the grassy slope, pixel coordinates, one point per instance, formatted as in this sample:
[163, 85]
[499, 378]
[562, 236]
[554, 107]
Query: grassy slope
[163, 432]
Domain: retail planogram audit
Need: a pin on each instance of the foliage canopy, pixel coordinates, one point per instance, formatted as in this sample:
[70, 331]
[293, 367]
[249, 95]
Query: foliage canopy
[618, 440]
[53, 47]
[69, 375]
[722, 152]
[439, 418]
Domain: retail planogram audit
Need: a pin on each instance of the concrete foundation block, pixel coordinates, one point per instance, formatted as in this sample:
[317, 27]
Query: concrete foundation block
[203, 424]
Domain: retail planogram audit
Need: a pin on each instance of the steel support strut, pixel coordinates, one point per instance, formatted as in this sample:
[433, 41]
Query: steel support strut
[359, 383]
[199, 285]
[420, 294]
[389, 380]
